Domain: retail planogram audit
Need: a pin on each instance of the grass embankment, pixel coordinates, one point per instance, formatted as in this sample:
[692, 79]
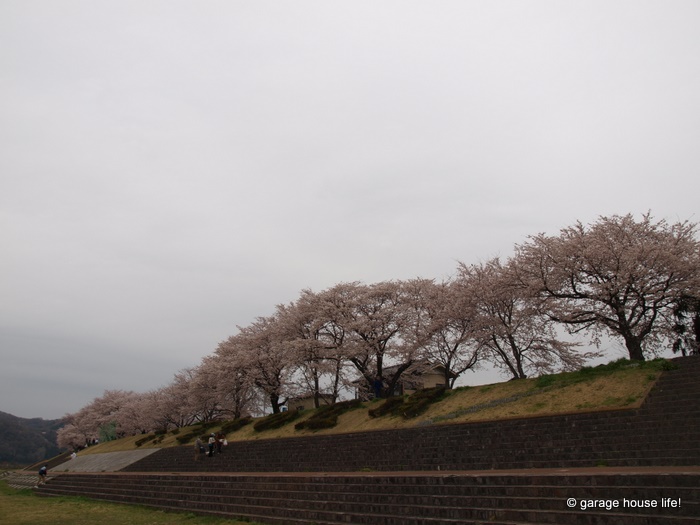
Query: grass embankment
[23, 507]
[617, 385]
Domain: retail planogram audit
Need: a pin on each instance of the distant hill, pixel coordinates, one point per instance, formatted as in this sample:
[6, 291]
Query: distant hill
[27, 441]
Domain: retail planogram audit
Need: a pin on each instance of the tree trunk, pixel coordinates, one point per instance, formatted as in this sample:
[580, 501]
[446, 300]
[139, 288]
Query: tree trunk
[449, 382]
[275, 403]
[317, 393]
[634, 347]
[517, 355]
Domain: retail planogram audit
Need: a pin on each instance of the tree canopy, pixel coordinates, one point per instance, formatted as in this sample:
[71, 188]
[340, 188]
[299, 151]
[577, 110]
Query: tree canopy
[617, 276]
[637, 280]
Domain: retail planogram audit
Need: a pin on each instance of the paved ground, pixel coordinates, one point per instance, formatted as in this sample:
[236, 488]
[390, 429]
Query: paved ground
[107, 462]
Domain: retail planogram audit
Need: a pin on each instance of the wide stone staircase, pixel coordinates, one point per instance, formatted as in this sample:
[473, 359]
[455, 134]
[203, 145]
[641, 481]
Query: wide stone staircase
[19, 479]
[406, 499]
[444, 474]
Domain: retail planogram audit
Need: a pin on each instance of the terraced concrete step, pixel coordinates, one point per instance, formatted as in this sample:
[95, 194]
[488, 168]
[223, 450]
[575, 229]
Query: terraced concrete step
[22, 480]
[397, 499]
[409, 502]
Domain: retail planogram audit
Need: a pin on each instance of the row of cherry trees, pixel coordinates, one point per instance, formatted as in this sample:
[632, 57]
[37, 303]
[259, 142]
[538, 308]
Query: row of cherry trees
[633, 280]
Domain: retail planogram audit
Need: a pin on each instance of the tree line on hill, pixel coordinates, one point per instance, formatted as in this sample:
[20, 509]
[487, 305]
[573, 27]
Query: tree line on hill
[634, 280]
[27, 441]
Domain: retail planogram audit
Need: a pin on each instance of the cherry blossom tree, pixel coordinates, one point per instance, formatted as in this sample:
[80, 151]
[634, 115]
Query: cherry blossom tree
[136, 416]
[235, 388]
[516, 336]
[617, 276]
[175, 404]
[268, 357]
[71, 436]
[376, 322]
[309, 326]
[98, 419]
[445, 326]
[205, 395]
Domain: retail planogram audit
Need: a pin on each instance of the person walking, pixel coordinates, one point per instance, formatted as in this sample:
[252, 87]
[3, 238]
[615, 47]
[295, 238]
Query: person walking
[43, 471]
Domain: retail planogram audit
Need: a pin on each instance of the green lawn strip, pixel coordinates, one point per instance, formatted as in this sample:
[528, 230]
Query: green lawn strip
[411, 406]
[588, 373]
[23, 507]
[327, 416]
[274, 421]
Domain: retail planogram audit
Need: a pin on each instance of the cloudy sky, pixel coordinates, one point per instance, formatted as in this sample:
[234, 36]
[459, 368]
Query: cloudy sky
[172, 169]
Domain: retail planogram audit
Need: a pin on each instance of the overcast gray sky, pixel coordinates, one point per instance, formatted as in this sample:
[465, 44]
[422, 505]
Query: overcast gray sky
[172, 169]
